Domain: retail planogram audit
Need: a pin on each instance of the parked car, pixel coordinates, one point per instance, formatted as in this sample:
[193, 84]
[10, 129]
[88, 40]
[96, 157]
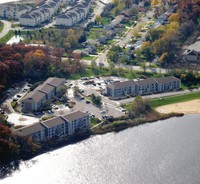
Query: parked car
[87, 102]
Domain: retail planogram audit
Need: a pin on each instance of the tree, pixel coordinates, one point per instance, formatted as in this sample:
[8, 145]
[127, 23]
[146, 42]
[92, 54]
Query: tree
[144, 66]
[155, 2]
[140, 106]
[128, 3]
[146, 50]
[96, 99]
[61, 91]
[98, 19]
[175, 17]
[116, 2]
[76, 91]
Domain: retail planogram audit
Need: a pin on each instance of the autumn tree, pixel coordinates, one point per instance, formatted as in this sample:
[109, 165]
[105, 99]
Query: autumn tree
[35, 64]
[175, 17]
[98, 19]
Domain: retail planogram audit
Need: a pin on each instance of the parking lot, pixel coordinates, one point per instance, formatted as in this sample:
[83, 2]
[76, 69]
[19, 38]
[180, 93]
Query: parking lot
[87, 86]
[96, 86]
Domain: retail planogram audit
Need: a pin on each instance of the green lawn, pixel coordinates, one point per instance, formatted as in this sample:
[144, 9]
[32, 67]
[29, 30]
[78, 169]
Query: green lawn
[105, 20]
[175, 99]
[95, 33]
[104, 71]
[7, 37]
[15, 25]
[1, 26]
[88, 57]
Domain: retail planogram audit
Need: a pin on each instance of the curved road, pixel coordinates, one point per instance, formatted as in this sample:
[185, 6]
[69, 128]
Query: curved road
[6, 28]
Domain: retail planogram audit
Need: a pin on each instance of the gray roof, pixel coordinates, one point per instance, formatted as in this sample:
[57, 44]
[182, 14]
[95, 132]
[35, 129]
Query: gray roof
[28, 130]
[46, 88]
[27, 16]
[54, 81]
[53, 122]
[118, 85]
[35, 96]
[75, 115]
[146, 81]
[167, 79]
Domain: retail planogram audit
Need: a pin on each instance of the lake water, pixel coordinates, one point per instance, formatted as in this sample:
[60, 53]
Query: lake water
[164, 152]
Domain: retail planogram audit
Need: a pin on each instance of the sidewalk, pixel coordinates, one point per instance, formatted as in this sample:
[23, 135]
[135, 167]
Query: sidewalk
[6, 28]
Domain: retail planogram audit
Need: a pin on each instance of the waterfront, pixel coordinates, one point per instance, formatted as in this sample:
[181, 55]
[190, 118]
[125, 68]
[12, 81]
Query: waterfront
[161, 152]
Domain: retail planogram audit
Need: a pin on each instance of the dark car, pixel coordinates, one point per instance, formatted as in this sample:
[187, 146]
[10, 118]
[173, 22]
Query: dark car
[87, 102]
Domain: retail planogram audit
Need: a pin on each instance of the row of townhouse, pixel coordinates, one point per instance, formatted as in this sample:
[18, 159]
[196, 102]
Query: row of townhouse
[44, 12]
[77, 13]
[57, 127]
[34, 100]
[142, 87]
[11, 11]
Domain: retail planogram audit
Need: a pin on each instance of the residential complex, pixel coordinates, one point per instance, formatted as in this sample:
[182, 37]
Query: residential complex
[57, 127]
[77, 12]
[192, 53]
[11, 11]
[34, 100]
[142, 87]
[43, 12]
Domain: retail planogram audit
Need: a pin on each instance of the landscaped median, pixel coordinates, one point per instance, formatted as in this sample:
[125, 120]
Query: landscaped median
[1, 26]
[7, 37]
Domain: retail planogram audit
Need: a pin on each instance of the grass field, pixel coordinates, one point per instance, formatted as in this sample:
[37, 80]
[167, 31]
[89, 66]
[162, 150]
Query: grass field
[88, 57]
[175, 99]
[1, 26]
[7, 37]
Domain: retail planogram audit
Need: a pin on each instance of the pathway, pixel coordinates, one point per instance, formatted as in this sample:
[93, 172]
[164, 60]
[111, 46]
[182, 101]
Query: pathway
[6, 28]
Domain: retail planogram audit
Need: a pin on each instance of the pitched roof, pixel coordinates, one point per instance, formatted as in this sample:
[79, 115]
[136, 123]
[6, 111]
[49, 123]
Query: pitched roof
[54, 81]
[28, 130]
[118, 85]
[167, 79]
[53, 122]
[35, 96]
[146, 81]
[46, 88]
[75, 115]
[27, 16]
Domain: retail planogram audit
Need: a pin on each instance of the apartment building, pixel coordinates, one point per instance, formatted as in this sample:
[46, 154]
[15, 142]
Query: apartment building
[142, 87]
[57, 127]
[77, 13]
[34, 100]
[43, 12]
[11, 11]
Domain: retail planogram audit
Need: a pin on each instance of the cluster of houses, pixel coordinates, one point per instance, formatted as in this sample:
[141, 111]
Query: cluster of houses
[129, 88]
[12, 11]
[192, 53]
[44, 12]
[35, 99]
[77, 12]
[57, 127]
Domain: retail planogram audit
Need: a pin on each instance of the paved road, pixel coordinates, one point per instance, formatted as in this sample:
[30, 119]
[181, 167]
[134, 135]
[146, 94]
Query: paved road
[6, 28]
[159, 95]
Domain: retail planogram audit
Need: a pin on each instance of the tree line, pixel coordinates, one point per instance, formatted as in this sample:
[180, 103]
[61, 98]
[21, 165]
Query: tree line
[19, 61]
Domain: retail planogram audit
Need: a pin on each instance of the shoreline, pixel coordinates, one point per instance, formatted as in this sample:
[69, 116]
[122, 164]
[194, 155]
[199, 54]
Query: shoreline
[188, 107]
[124, 123]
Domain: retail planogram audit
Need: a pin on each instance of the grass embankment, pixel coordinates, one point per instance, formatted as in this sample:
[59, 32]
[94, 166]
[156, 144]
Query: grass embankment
[7, 37]
[122, 123]
[174, 99]
[140, 112]
[120, 72]
[1, 26]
